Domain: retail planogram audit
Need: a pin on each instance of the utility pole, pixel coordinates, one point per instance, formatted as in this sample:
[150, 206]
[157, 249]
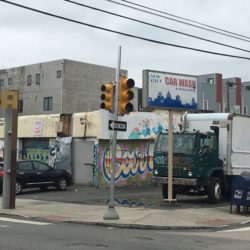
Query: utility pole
[9, 100]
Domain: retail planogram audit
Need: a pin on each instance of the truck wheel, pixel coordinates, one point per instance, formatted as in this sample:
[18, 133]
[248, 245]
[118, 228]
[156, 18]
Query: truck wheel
[214, 190]
[164, 189]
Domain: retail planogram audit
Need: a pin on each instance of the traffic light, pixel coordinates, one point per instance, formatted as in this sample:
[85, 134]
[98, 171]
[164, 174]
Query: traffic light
[125, 95]
[107, 96]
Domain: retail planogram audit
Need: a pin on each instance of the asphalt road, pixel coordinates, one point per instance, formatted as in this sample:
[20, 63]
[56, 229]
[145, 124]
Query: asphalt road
[27, 234]
[21, 234]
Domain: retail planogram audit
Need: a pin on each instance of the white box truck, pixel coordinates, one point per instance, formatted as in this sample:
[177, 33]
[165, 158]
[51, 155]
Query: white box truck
[211, 149]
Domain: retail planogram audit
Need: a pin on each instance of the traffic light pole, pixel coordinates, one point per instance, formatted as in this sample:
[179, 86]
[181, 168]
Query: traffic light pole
[111, 213]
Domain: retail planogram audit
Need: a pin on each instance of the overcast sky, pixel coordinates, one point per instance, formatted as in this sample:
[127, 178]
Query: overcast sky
[28, 37]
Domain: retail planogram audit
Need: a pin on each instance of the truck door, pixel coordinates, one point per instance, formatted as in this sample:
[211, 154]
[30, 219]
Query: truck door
[208, 152]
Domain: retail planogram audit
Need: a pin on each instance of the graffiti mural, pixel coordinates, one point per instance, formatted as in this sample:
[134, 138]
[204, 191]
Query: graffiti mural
[129, 203]
[95, 170]
[1, 149]
[134, 163]
[142, 125]
[35, 150]
[39, 154]
[55, 152]
[151, 128]
[60, 153]
[52, 152]
[147, 128]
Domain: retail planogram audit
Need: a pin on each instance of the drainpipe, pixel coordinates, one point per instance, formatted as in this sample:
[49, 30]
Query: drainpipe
[62, 77]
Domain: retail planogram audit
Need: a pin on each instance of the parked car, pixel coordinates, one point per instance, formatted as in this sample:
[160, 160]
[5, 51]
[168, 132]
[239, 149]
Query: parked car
[31, 173]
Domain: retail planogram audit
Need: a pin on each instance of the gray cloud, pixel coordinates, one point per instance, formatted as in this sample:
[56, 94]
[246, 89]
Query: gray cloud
[28, 37]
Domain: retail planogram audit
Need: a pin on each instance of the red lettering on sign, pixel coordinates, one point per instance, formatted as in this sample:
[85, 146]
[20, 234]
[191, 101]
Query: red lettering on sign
[171, 81]
[187, 83]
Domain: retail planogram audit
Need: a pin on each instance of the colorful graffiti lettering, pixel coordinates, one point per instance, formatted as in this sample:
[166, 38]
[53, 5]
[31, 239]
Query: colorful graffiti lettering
[39, 154]
[129, 162]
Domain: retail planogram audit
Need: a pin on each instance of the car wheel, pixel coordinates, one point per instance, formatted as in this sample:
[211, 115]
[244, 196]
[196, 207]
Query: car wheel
[19, 187]
[61, 184]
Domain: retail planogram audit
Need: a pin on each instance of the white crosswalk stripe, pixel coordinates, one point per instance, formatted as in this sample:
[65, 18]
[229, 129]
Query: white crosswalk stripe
[24, 221]
[242, 229]
[3, 226]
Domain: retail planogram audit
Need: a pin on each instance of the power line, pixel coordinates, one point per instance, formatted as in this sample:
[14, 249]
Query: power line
[179, 21]
[166, 13]
[122, 33]
[156, 26]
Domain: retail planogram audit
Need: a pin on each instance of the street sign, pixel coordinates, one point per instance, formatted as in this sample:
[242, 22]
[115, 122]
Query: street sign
[117, 125]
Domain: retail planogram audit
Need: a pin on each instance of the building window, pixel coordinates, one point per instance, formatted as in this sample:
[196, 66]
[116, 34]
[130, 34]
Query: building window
[37, 78]
[47, 103]
[1, 82]
[58, 74]
[20, 106]
[210, 80]
[225, 108]
[10, 81]
[244, 110]
[29, 79]
[205, 104]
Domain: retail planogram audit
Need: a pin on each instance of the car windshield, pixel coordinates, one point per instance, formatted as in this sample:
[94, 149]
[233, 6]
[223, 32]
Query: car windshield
[182, 143]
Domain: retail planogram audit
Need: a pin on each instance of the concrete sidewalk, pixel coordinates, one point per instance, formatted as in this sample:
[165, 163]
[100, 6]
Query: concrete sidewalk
[130, 217]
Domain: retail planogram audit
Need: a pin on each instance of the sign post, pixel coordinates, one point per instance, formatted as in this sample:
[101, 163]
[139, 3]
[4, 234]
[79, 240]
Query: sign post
[169, 91]
[170, 157]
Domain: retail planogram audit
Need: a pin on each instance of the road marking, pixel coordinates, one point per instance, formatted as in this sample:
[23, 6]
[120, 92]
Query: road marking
[245, 222]
[24, 221]
[243, 229]
[3, 226]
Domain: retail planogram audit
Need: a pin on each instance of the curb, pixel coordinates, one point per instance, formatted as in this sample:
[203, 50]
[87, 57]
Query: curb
[110, 224]
[139, 226]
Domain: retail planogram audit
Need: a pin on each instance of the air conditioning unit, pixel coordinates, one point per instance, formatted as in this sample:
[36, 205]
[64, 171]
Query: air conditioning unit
[58, 127]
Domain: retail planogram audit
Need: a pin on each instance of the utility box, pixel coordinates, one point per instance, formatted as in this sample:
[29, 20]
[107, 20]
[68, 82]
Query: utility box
[240, 193]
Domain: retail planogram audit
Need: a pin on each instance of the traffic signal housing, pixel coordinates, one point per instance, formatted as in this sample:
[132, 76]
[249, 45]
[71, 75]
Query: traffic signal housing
[107, 96]
[125, 95]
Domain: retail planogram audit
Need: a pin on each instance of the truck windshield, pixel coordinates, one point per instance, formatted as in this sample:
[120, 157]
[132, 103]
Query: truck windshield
[182, 143]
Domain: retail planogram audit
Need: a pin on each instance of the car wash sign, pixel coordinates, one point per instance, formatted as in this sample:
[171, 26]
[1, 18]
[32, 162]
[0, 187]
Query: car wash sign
[168, 90]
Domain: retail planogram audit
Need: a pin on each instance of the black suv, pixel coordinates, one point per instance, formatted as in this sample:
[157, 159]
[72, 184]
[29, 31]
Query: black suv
[38, 174]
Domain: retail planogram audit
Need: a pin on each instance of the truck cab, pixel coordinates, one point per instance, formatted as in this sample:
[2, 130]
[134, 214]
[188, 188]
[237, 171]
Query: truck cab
[196, 166]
